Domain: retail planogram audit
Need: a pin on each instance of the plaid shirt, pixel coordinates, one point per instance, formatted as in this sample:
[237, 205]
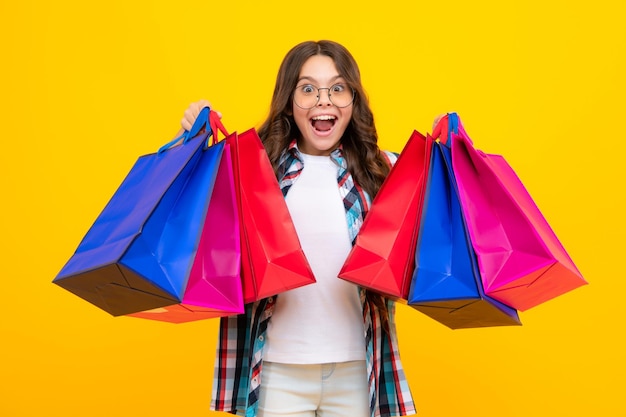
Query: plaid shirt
[239, 357]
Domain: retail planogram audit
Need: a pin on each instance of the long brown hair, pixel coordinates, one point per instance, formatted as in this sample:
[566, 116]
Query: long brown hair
[359, 142]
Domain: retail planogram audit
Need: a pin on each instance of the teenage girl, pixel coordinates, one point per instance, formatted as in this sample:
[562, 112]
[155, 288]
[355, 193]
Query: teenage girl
[330, 348]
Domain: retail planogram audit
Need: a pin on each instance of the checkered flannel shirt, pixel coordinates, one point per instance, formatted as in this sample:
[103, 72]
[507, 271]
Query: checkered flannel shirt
[239, 358]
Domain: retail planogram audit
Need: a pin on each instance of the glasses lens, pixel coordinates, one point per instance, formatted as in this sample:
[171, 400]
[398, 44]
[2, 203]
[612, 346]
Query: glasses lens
[306, 96]
[341, 95]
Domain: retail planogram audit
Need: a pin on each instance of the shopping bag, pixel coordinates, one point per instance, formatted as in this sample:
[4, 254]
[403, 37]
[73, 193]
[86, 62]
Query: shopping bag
[383, 256]
[446, 284]
[272, 257]
[521, 261]
[214, 287]
[138, 253]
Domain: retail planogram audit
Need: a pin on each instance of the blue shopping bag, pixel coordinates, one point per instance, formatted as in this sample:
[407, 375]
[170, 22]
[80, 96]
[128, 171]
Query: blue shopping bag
[138, 253]
[446, 284]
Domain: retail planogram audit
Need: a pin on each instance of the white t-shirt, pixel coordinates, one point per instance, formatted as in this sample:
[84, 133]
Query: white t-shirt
[320, 322]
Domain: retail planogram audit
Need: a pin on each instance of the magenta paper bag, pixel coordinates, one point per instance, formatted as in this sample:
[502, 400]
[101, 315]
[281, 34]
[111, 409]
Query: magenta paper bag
[521, 261]
[215, 279]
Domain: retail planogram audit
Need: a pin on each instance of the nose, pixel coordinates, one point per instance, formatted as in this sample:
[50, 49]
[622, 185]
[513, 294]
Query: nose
[324, 99]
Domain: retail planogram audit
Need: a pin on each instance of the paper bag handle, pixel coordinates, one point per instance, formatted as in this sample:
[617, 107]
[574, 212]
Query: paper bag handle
[207, 119]
[446, 126]
[215, 124]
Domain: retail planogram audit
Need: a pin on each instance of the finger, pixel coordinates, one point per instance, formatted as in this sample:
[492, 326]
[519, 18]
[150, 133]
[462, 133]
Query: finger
[194, 110]
[190, 115]
[204, 103]
[185, 124]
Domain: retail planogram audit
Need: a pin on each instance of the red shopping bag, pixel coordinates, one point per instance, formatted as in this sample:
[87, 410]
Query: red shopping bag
[383, 256]
[272, 257]
[213, 287]
[522, 262]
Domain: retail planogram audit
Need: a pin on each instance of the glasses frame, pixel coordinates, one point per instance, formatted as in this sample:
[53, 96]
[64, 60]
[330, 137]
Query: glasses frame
[330, 96]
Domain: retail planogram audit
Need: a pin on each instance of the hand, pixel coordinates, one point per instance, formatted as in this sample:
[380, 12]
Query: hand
[192, 112]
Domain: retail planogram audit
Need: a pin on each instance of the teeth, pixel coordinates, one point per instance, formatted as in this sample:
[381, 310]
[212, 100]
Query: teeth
[324, 117]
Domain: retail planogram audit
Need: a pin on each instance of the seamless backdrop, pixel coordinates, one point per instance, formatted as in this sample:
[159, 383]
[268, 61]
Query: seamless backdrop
[87, 87]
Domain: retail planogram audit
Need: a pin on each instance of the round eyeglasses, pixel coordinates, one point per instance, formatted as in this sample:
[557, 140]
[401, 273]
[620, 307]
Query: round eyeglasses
[306, 96]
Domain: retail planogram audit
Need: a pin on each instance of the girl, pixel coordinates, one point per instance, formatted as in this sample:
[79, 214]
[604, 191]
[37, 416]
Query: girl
[330, 348]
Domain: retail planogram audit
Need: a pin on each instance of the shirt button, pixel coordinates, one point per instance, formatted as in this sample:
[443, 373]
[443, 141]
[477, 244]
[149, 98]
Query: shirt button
[270, 300]
[261, 338]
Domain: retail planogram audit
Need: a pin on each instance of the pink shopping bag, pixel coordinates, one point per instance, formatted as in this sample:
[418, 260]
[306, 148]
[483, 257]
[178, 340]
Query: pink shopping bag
[522, 263]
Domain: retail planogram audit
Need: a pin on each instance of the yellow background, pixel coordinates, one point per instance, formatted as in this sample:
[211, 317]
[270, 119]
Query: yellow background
[87, 87]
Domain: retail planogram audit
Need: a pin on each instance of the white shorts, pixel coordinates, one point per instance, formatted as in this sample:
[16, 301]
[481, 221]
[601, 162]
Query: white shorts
[320, 390]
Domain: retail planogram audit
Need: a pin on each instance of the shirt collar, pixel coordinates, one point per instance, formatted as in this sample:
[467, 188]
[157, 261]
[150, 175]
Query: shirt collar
[336, 155]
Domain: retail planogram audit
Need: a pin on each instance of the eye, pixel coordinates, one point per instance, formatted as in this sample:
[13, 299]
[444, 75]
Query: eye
[338, 88]
[306, 89]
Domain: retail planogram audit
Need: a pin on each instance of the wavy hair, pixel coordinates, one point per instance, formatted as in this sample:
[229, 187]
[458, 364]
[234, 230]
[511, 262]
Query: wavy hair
[359, 142]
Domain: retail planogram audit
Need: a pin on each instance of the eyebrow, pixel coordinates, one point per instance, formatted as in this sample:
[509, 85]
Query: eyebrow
[313, 80]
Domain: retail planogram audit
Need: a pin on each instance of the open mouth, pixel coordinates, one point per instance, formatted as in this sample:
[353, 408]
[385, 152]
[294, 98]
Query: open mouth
[323, 123]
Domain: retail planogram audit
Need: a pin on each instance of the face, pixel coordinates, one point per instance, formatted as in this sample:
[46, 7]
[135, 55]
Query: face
[322, 126]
